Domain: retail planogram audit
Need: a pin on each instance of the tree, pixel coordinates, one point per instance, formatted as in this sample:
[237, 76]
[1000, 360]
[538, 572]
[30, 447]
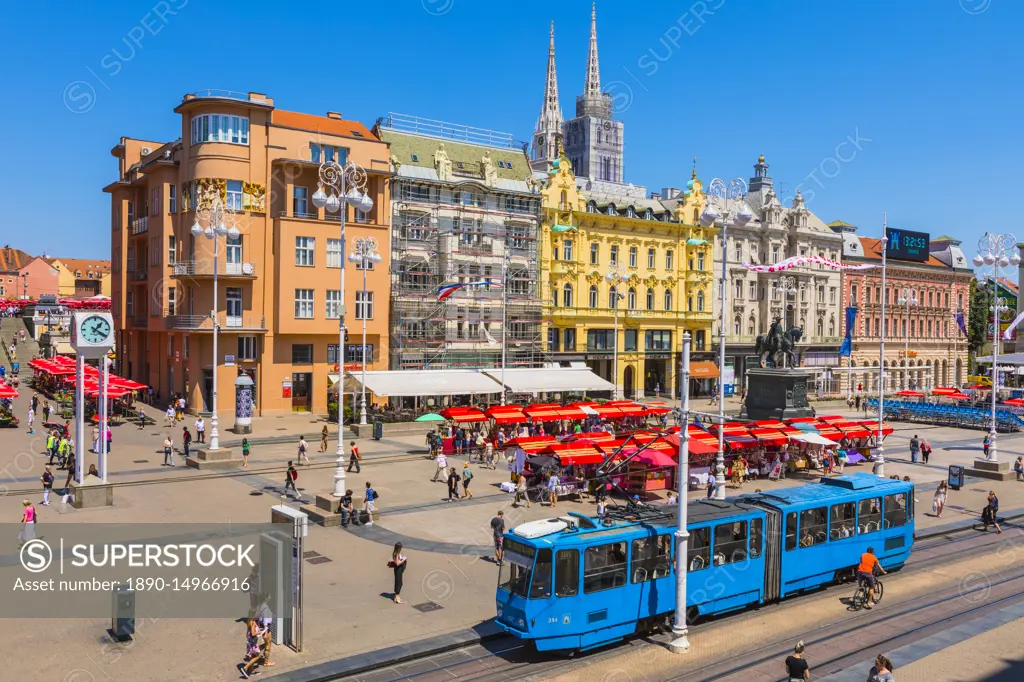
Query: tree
[978, 318]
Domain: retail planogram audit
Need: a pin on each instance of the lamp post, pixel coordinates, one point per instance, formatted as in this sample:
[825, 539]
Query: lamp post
[880, 459]
[997, 251]
[733, 210]
[364, 255]
[24, 285]
[615, 276]
[908, 297]
[216, 216]
[680, 642]
[345, 185]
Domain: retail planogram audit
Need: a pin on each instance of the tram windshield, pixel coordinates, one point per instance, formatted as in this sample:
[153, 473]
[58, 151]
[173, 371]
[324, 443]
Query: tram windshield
[514, 574]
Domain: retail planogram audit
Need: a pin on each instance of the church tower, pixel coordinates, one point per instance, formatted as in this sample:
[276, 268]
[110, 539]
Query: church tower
[593, 140]
[549, 125]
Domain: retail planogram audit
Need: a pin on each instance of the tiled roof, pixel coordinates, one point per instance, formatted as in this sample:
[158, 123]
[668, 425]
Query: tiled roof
[321, 124]
[12, 260]
[1008, 284]
[873, 251]
[82, 264]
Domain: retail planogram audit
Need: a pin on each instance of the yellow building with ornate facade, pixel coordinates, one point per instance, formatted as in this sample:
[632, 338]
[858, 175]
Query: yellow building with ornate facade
[620, 269]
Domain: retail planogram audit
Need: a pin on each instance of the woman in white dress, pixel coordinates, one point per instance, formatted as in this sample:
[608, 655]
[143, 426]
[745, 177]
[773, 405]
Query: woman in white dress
[939, 501]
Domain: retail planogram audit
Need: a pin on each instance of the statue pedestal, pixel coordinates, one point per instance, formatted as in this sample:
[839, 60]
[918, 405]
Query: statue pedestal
[777, 393]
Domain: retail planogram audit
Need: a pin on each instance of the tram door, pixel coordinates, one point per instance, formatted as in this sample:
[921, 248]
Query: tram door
[772, 553]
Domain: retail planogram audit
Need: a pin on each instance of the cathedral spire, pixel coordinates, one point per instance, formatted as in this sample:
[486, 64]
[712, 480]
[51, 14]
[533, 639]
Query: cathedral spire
[549, 124]
[592, 86]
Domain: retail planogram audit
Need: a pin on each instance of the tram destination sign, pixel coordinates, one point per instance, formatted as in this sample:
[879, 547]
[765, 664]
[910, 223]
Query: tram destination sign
[906, 245]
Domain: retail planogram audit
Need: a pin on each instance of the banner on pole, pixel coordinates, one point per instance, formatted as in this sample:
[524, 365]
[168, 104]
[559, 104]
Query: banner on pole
[851, 318]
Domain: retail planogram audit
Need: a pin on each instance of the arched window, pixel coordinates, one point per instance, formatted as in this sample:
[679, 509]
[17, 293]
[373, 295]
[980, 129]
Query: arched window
[562, 201]
[668, 300]
[700, 301]
[593, 296]
[567, 296]
[737, 326]
[631, 299]
[832, 327]
[739, 288]
[613, 296]
[554, 296]
[696, 217]
[821, 327]
[650, 299]
[689, 304]
[700, 261]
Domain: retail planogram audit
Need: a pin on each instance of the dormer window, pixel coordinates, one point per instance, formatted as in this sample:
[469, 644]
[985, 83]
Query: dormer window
[649, 214]
[611, 209]
[630, 213]
[591, 207]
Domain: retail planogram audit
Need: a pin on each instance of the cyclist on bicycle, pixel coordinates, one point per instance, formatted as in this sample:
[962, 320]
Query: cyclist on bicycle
[866, 573]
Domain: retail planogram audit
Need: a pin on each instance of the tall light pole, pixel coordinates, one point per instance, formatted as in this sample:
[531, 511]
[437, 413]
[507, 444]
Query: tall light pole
[615, 276]
[345, 185]
[997, 251]
[680, 642]
[908, 297]
[880, 460]
[364, 254]
[506, 271]
[216, 216]
[733, 210]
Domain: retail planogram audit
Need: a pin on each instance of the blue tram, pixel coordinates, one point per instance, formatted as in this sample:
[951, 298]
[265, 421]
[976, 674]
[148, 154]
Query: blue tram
[576, 582]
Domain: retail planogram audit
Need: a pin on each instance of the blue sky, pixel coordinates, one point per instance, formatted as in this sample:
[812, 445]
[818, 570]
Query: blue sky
[929, 90]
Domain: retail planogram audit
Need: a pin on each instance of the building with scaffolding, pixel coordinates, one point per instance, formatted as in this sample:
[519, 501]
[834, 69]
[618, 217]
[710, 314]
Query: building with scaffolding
[465, 210]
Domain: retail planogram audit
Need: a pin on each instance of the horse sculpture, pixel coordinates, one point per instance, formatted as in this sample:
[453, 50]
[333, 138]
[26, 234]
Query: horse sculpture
[778, 345]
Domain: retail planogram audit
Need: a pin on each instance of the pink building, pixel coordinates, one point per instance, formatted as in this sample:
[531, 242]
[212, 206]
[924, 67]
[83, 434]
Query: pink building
[38, 277]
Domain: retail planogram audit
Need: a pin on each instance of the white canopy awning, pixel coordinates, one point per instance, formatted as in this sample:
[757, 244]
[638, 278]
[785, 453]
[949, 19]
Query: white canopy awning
[426, 382]
[812, 438]
[1004, 359]
[550, 379]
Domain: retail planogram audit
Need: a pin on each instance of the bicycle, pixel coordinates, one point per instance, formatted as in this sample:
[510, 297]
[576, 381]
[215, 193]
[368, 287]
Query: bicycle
[860, 595]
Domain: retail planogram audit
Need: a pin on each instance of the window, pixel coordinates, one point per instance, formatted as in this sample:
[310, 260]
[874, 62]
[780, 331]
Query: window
[698, 552]
[368, 263]
[540, 588]
[172, 301]
[567, 571]
[650, 298]
[615, 253]
[567, 249]
[300, 201]
[332, 354]
[652, 558]
[700, 261]
[220, 128]
[895, 510]
[843, 521]
[832, 295]
[553, 338]
[630, 341]
[604, 567]
[790, 531]
[304, 251]
[593, 296]
[821, 294]
[234, 195]
[756, 538]
[515, 569]
[594, 252]
[739, 289]
[364, 305]
[129, 304]
[246, 347]
[570, 340]
[567, 296]
[172, 249]
[668, 259]
[323, 153]
[631, 299]
[668, 300]
[738, 251]
[869, 515]
[333, 301]
[302, 354]
[613, 297]
[752, 291]
[730, 543]
[172, 198]
[700, 301]
[600, 339]
[334, 253]
[775, 254]
[632, 256]
[853, 294]
[233, 298]
[304, 304]
[821, 327]
[650, 259]
[658, 339]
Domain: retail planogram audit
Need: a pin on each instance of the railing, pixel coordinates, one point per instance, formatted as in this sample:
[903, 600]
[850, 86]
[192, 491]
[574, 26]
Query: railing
[222, 94]
[140, 225]
[448, 131]
[140, 275]
[204, 268]
[140, 319]
[205, 323]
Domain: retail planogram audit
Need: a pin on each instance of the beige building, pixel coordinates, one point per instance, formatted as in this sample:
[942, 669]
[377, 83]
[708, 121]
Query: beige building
[278, 282]
[81, 278]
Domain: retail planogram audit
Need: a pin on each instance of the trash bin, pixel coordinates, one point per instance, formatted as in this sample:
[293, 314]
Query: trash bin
[378, 429]
[122, 623]
[956, 477]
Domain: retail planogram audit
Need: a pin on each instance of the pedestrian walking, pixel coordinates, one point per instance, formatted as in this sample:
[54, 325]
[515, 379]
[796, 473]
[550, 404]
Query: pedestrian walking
[253, 654]
[467, 478]
[186, 439]
[302, 450]
[168, 451]
[290, 475]
[323, 439]
[989, 515]
[489, 454]
[169, 415]
[985, 444]
[796, 666]
[498, 534]
[31, 420]
[35, 403]
[200, 429]
[521, 492]
[442, 465]
[369, 503]
[397, 563]
[95, 439]
[354, 457]
[245, 453]
[64, 452]
[553, 483]
[453, 484]
[28, 522]
[915, 449]
[939, 501]
[46, 411]
[51, 445]
[1018, 466]
[47, 480]
[882, 670]
[711, 485]
[264, 617]
[110, 439]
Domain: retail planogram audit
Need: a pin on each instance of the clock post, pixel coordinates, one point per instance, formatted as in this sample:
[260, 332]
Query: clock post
[92, 337]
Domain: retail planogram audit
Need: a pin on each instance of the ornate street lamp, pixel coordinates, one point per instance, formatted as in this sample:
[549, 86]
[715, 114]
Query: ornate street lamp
[364, 255]
[615, 276]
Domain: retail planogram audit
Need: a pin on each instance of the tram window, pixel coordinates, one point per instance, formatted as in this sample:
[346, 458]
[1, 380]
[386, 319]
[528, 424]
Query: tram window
[567, 573]
[604, 567]
[869, 515]
[895, 510]
[910, 505]
[652, 558]
[699, 551]
[541, 586]
[730, 543]
[790, 531]
[756, 533]
[514, 572]
[843, 520]
[813, 526]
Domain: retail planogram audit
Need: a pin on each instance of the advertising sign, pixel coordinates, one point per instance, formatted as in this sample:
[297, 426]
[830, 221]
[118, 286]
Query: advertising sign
[906, 245]
[286, 388]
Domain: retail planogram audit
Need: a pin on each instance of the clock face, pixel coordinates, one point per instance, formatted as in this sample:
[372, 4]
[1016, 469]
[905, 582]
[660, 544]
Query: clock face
[95, 330]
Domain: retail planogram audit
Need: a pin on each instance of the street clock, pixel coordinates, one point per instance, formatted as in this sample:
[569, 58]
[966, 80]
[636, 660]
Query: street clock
[92, 333]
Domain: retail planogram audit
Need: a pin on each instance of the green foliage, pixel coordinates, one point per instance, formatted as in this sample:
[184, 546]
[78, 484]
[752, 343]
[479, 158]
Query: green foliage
[978, 316]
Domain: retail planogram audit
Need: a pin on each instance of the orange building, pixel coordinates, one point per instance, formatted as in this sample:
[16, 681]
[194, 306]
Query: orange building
[278, 282]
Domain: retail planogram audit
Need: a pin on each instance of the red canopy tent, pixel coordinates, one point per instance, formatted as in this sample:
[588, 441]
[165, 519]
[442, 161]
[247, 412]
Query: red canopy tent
[609, 412]
[1014, 402]
[463, 414]
[592, 436]
[872, 426]
[7, 391]
[945, 390]
[547, 412]
[910, 394]
[769, 437]
[574, 453]
[506, 414]
[531, 445]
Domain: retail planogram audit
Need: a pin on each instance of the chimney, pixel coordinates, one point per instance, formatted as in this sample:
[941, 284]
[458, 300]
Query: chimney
[336, 115]
[670, 193]
[655, 196]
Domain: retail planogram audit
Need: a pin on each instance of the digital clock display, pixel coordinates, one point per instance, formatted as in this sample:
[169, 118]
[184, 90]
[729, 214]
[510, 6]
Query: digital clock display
[906, 245]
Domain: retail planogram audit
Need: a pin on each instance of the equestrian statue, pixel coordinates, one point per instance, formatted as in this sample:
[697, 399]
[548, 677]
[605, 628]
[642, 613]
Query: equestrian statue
[778, 345]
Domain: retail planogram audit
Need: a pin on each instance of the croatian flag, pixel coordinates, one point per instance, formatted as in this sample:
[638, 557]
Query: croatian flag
[447, 290]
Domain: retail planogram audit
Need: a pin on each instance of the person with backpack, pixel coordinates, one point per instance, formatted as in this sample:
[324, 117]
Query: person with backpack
[467, 478]
[302, 450]
[453, 484]
[354, 457]
[245, 453]
[369, 498]
[290, 475]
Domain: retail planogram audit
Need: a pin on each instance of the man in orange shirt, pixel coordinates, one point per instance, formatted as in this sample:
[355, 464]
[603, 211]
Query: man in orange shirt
[866, 573]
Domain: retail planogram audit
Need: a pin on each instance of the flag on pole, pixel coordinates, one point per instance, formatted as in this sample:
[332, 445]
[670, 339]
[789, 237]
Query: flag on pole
[490, 339]
[959, 317]
[445, 291]
[851, 317]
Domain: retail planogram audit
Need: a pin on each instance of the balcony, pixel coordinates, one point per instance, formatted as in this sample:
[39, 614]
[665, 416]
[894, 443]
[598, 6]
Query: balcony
[204, 268]
[140, 320]
[203, 323]
[140, 275]
[140, 225]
